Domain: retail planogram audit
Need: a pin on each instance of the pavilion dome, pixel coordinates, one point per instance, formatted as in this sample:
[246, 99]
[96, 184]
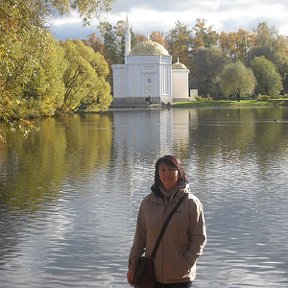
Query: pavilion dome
[148, 48]
[179, 65]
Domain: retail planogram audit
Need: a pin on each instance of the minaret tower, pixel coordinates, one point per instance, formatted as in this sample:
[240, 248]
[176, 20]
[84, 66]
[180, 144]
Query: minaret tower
[127, 39]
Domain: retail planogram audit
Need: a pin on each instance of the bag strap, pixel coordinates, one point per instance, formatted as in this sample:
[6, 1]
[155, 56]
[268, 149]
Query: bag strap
[166, 224]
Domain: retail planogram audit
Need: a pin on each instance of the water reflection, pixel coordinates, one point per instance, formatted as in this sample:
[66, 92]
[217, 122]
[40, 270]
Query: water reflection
[70, 191]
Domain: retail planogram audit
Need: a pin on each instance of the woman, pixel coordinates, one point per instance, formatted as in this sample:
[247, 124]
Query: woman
[185, 236]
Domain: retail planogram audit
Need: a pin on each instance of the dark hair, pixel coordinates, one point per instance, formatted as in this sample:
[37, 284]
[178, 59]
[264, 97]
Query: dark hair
[173, 162]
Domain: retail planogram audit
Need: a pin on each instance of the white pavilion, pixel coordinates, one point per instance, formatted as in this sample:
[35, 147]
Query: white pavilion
[148, 72]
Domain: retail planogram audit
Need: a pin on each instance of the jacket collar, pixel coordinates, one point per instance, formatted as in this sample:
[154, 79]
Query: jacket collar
[182, 188]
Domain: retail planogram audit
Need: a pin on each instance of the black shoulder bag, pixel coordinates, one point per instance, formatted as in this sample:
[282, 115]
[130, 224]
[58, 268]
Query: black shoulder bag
[144, 273]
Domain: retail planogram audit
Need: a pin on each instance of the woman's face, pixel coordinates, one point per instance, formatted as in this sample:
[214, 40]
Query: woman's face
[168, 176]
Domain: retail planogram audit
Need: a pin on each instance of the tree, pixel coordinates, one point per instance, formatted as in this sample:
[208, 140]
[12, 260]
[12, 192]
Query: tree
[137, 38]
[204, 36]
[44, 91]
[95, 42]
[236, 80]
[268, 78]
[179, 42]
[114, 41]
[88, 9]
[280, 59]
[264, 38]
[158, 37]
[113, 44]
[31, 64]
[100, 98]
[28, 13]
[29, 81]
[17, 20]
[236, 44]
[85, 78]
[274, 47]
[207, 63]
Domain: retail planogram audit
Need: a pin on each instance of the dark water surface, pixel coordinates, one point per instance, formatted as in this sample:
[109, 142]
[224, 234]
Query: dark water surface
[70, 192]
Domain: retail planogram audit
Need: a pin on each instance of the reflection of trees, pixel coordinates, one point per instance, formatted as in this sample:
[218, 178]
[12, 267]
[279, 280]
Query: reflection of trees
[88, 142]
[37, 163]
[270, 136]
[224, 134]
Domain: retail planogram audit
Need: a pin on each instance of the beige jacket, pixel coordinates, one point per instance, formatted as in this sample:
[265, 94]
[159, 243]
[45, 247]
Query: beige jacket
[183, 241]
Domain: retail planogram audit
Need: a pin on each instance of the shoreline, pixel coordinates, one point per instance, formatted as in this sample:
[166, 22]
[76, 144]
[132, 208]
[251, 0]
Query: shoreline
[231, 103]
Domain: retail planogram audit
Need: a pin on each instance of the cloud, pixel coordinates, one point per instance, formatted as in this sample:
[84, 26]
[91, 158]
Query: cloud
[152, 15]
[160, 6]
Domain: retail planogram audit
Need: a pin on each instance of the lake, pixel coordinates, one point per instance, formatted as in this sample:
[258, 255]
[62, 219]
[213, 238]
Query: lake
[70, 190]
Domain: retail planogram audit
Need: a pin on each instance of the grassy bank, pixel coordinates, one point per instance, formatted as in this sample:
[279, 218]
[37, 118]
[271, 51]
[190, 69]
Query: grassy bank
[234, 103]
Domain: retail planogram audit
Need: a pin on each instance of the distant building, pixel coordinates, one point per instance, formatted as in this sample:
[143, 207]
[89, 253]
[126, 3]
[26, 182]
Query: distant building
[148, 72]
[180, 82]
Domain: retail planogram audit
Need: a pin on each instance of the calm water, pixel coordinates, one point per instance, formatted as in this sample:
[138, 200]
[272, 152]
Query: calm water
[70, 191]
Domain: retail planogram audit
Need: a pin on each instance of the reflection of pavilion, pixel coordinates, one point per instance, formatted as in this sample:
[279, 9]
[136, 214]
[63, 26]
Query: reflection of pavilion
[148, 72]
[151, 131]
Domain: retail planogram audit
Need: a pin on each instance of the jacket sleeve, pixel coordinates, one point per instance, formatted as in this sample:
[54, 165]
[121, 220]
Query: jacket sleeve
[139, 242]
[197, 231]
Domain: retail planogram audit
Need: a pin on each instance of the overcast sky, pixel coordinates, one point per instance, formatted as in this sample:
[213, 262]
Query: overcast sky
[146, 16]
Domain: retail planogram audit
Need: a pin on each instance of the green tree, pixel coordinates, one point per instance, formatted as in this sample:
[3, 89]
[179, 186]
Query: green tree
[280, 59]
[268, 78]
[85, 78]
[114, 44]
[264, 42]
[207, 63]
[274, 47]
[264, 39]
[237, 81]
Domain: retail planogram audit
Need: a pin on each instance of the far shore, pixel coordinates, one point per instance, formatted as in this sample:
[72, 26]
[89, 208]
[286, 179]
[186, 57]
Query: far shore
[231, 103]
[246, 103]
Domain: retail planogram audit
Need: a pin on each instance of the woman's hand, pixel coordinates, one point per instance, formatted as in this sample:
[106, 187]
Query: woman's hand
[130, 276]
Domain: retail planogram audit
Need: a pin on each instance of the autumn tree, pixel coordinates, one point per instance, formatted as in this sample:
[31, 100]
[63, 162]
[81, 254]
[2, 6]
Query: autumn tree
[137, 38]
[30, 84]
[43, 91]
[14, 71]
[85, 78]
[236, 81]
[32, 64]
[204, 36]
[237, 44]
[267, 76]
[159, 37]
[179, 42]
[95, 42]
